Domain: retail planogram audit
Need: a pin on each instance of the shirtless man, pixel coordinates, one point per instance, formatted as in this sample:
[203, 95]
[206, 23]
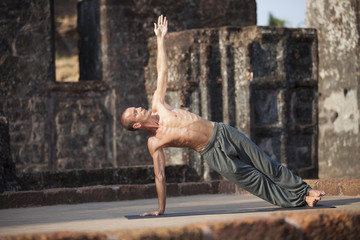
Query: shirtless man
[225, 149]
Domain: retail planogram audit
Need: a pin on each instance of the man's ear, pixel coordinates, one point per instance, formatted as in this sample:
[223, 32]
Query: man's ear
[136, 125]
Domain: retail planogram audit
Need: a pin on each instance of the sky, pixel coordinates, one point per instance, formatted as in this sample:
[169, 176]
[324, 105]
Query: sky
[293, 11]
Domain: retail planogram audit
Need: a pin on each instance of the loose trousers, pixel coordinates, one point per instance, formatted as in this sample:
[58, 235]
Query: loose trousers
[237, 158]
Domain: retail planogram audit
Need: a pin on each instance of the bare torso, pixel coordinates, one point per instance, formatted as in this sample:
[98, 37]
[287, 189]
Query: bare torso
[180, 128]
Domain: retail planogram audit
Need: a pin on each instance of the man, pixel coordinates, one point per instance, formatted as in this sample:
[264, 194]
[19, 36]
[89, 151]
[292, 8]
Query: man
[225, 149]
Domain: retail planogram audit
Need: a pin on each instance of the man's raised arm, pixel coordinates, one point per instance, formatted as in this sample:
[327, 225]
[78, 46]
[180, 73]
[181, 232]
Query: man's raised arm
[160, 30]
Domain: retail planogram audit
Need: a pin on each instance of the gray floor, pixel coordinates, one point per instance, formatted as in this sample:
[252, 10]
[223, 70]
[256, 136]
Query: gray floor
[125, 215]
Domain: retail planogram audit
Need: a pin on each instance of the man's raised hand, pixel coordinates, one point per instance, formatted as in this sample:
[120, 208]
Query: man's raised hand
[161, 27]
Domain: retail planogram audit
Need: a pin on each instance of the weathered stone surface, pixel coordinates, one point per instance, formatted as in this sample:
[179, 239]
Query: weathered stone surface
[26, 65]
[329, 225]
[338, 24]
[104, 176]
[198, 188]
[274, 228]
[350, 187]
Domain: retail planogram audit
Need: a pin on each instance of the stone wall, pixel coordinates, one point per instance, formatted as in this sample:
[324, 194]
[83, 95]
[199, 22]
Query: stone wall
[263, 81]
[338, 24]
[26, 65]
[59, 126]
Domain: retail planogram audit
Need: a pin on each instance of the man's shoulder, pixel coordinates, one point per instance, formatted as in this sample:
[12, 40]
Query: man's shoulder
[153, 141]
[154, 144]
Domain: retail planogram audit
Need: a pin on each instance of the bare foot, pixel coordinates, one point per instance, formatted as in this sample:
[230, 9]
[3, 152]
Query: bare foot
[313, 197]
[312, 201]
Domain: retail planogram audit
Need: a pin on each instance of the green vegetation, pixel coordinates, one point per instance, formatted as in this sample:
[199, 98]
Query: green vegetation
[273, 21]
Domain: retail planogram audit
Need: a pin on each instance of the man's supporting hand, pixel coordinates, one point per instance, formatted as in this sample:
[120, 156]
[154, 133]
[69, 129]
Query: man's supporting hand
[161, 28]
[154, 213]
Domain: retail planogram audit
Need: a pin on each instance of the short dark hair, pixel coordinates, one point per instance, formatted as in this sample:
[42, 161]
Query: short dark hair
[127, 124]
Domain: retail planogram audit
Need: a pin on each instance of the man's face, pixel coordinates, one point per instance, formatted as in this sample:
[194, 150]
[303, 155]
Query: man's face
[138, 115]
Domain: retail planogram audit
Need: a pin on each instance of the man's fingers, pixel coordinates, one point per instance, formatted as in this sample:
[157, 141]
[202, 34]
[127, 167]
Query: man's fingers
[162, 20]
[150, 214]
[159, 20]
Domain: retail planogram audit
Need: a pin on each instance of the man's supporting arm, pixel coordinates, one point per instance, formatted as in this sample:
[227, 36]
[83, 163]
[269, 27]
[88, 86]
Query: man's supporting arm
[162, 61]
[160, 181]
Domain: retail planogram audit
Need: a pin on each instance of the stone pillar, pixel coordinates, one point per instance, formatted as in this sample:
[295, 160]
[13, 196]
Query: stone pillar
[338, 25]
[263, 81]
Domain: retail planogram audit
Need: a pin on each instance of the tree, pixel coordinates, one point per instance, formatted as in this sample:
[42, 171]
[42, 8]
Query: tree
[273, 21]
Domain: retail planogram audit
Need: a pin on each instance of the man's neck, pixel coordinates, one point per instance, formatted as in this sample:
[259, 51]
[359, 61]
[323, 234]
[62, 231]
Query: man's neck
[152, 124]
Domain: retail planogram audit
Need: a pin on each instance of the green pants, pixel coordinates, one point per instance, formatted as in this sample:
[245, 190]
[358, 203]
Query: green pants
[241, 161]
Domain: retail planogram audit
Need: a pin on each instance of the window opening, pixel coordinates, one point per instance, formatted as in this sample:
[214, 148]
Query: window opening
[66, 41]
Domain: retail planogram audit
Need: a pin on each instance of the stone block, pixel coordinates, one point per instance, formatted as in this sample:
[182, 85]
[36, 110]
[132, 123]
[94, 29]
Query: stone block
[227, 187]
[350, 187]
[302, 106]
[277, 228]
[270, 142]
[173, 190]
[25, 199]
[267, 107]
[98, 194]
[299, 150]
[198, 188]
[82, 126]
[329, 225]
[129, 192]
[61, 196]
[263, 59]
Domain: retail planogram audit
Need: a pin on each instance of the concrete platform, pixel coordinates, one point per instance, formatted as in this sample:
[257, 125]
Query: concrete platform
[119, 220]
[107, 193]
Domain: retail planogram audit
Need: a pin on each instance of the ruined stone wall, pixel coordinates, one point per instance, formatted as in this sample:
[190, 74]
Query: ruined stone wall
[338, 24]
[26, 65]
[60, 126]
[263, 81]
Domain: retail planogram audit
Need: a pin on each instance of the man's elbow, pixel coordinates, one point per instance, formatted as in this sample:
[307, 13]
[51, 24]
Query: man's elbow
[160, 177]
